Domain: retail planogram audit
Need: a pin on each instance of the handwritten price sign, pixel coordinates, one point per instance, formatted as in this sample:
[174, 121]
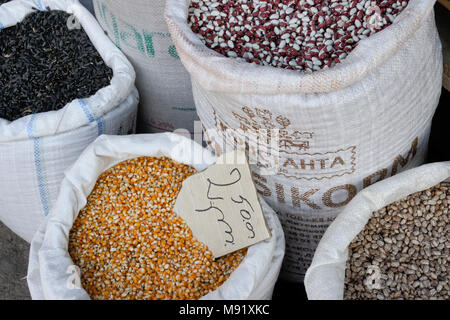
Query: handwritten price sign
[221, 206]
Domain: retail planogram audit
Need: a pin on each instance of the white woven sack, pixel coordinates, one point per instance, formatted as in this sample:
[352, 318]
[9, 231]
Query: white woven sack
[36, 149]
[50, 261]
[324, 279]
[340, 129]
[138, 28]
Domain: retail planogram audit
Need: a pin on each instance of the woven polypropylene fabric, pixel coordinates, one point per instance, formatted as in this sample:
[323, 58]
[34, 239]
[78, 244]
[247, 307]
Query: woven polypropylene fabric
[138, 28]
[33, 169]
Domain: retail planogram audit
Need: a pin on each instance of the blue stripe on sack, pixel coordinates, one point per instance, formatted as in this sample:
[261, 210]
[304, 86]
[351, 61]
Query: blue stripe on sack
[86, 110]
[43, 191]
[100, 126]
[1, 26]
[91, 117]
[30, 126]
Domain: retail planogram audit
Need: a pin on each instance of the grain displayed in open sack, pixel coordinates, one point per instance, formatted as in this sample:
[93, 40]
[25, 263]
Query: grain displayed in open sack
[306, 35]
[129, 244]
[405, 246]
[46, 62]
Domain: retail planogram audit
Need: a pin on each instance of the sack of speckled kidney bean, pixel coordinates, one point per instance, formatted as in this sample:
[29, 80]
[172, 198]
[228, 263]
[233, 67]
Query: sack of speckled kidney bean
[326, 97]
[391, 242]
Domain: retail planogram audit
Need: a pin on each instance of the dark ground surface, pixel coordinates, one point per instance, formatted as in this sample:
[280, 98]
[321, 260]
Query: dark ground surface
[13, 266]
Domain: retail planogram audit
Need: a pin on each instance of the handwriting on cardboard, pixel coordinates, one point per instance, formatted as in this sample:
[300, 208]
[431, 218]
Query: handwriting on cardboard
[221, 206]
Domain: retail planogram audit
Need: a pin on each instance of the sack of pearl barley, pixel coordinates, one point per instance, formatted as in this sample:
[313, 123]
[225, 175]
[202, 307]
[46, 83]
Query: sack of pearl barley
[326, 278]
[333, 132]
[138, 28]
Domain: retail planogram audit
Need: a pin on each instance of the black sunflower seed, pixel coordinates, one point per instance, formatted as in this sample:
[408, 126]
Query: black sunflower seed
[46, 61]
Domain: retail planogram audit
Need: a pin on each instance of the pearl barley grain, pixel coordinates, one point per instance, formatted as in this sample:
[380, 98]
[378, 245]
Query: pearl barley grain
[129, 244]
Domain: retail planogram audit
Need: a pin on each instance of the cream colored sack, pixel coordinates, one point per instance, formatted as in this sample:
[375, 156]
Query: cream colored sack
[50, 262]
[337, 130]
[325, 278]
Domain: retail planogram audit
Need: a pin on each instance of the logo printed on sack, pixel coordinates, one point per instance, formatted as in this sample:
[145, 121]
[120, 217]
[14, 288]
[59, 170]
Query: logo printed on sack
[259, 119]
[294, 161]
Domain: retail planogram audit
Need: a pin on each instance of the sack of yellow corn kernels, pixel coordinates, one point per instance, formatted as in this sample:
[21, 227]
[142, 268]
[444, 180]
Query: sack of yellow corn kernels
[112, 233]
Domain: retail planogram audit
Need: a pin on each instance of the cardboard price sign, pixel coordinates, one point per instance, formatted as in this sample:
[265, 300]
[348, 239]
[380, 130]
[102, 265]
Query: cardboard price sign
[221, 206]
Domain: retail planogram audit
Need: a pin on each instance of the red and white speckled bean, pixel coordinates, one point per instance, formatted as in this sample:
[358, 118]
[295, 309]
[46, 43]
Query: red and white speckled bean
[305, 35]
